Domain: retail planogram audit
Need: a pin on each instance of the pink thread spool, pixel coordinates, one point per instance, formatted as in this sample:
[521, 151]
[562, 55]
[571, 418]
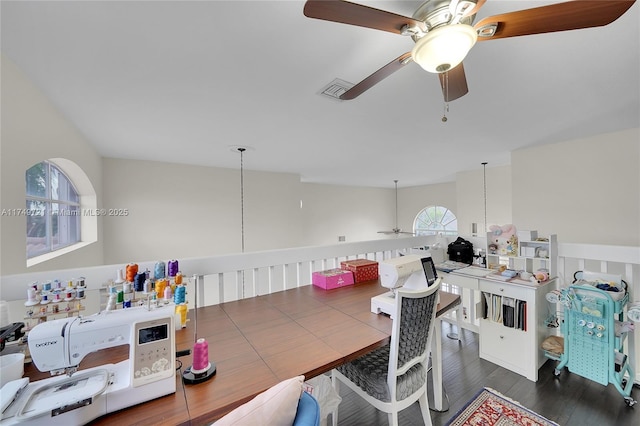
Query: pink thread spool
[200, 357]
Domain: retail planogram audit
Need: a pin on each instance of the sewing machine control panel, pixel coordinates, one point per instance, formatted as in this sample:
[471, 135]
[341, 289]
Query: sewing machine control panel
[153, 354]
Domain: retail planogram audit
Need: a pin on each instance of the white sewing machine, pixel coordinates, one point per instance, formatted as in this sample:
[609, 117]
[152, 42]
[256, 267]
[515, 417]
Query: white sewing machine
[411, 271]
[59, 346]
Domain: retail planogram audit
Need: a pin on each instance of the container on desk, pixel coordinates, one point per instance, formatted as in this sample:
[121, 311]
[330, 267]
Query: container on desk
[363, 269]
[332, 278]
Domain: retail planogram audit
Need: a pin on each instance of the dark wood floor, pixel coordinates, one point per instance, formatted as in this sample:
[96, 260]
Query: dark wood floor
[569, 400]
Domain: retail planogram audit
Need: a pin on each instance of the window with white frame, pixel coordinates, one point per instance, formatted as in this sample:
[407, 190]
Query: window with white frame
[435, 220]
[53, 210]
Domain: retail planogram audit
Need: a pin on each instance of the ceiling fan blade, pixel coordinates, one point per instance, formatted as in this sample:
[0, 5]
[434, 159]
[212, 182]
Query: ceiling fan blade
[377, 76]
[454, 83]
[357, 14]
[570, 15]
[476, 8]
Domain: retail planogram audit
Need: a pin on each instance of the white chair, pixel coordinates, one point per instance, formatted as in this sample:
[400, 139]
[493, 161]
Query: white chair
[393, 377]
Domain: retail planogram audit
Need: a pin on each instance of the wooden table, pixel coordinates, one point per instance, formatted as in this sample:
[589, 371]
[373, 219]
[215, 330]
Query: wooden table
[258, 342]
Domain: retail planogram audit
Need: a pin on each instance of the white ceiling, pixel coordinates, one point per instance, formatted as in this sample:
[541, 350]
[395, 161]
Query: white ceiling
[184, 82]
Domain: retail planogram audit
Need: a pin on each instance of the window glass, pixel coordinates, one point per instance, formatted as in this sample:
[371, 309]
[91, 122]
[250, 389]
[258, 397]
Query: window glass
[434, 220]
[37, 181]
[53, 210]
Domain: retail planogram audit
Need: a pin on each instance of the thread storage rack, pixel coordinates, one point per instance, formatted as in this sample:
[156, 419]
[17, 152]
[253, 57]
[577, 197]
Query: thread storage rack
[592, 347]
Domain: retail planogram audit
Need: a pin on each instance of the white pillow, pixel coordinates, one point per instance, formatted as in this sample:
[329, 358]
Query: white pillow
[275, 406]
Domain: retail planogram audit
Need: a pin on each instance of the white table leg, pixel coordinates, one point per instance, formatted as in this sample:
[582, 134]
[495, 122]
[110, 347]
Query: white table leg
[436, 365]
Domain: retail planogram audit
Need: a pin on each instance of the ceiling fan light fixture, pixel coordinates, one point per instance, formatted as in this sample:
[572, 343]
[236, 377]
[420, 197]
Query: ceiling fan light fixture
[444, 48]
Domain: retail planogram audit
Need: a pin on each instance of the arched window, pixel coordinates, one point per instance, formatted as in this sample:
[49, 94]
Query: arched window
[435, 220]
[57, 194]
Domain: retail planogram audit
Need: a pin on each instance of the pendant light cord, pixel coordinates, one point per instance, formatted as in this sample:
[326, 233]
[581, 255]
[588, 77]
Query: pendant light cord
[242, 150]
[484, 181]
[396, 182]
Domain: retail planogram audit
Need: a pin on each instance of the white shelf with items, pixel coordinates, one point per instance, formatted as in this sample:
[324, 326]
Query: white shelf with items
[532, 255]
[513, 341]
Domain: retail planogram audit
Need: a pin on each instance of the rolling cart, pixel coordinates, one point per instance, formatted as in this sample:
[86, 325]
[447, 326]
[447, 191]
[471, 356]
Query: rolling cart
[594, 335]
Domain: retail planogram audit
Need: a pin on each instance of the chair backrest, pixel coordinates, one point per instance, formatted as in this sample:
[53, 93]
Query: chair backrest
[413, 323]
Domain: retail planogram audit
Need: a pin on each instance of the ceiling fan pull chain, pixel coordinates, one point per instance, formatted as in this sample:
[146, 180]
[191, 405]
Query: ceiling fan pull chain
[446, 103]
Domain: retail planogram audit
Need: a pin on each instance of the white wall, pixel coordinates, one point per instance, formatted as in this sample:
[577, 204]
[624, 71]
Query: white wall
[470, 198]
[586, 190]
[179, 211]
[33, 130]
[356, 213]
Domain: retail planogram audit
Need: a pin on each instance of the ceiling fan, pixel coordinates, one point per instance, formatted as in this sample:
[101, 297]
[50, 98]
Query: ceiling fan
[396, 230]
[443, 33]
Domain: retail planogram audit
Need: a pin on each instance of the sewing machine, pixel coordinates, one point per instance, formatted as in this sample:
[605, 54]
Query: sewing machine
[59, 346]
[411, 272]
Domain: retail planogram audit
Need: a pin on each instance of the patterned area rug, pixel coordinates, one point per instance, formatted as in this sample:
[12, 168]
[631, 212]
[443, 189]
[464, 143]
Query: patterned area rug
[490, 408]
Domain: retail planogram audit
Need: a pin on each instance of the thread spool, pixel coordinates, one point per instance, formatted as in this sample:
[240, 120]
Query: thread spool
[200, 357]
[34, 285]
[126, 287]
[70, 295]
[80, 282]
[126, 304]
[70, 284]
[46, 286]
[147, 286]
[32, 298]
[111, 303]
[167, 293]
[138, 283]
[119, 276]
[553, 296]
[179, 295]
[57, 284]
[160, 286]
[120, 298]
[132, 270]
[159, 270]
[633, 312]
[181, 311]
[80, 293]
[178, 278]
[44, 298]
[173, 268]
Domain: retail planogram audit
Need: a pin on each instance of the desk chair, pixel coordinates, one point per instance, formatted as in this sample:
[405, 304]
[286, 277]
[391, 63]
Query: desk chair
[393, 377]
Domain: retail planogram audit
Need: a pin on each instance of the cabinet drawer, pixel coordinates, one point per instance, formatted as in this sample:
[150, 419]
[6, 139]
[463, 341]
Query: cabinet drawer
[460, 281]
[508, 290]
[508, 345]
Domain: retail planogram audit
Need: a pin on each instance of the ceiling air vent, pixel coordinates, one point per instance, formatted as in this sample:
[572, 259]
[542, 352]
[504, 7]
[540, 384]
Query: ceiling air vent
[336, 88]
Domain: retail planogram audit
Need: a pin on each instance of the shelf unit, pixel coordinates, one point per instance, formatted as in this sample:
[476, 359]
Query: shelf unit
[514, 347]
[533, 255]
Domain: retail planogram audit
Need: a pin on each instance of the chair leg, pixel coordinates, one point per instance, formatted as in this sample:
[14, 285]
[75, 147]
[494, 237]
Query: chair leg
[393, 418]
[424, 409]
[336, 385]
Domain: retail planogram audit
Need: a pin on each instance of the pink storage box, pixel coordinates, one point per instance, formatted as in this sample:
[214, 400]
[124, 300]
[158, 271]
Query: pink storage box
[363, 269]
[332, 278]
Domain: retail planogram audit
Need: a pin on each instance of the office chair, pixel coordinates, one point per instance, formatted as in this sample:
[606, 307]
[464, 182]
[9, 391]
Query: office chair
[393, 377]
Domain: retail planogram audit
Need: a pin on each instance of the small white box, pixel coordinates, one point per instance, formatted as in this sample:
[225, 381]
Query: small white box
[527, 235]
[527, 251]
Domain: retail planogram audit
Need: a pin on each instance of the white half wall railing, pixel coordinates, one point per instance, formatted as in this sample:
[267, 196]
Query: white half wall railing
[221, 278]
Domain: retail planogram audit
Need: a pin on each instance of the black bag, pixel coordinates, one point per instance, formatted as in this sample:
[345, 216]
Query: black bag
[461, 250]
